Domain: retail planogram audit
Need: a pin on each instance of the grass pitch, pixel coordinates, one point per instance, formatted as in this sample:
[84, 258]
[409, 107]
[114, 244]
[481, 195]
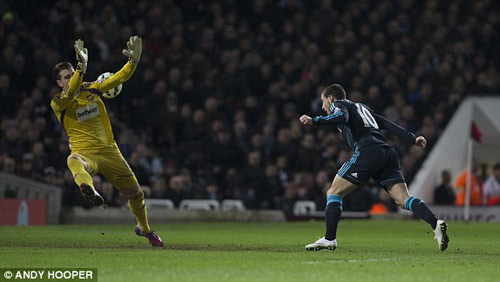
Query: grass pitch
[369, 250]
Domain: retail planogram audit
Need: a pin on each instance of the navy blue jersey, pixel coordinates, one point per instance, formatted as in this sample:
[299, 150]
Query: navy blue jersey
[359, 125]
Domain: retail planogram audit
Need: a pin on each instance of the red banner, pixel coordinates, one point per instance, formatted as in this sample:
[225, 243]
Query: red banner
[22, 212]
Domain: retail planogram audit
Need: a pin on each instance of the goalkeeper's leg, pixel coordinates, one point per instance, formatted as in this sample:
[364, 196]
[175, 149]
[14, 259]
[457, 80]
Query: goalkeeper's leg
[137, 205]
[80, 170]
[116, 169]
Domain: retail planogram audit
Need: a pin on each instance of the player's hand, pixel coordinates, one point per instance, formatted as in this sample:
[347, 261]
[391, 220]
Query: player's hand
[306, 120]
[420, 141]
[82, 55]
[134, 49]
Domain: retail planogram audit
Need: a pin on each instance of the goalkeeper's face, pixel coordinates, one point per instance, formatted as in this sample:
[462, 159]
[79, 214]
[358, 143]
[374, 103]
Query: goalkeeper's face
[65, 76]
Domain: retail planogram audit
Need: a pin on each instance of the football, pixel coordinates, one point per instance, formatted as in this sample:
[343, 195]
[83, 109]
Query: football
[112, 93]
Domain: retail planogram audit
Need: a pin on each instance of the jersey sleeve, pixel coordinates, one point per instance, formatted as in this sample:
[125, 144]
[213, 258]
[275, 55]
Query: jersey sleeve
[340, 115]
[116, 79]
[62, 100]
[395, 129]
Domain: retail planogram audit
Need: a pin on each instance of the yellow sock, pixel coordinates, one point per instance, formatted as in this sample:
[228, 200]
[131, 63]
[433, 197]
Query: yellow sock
[138, 207]
[80, 175]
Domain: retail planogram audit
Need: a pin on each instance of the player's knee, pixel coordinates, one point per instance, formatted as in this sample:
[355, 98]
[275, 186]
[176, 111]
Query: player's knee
[76, 163]
[138, 196]
[134, 193]
[72, 158]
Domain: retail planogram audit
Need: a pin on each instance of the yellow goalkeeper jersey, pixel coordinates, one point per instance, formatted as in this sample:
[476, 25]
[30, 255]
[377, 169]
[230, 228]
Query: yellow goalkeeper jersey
[82, 112]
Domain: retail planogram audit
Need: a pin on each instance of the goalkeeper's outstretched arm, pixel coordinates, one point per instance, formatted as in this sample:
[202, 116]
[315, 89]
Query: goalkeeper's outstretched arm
[133, 52]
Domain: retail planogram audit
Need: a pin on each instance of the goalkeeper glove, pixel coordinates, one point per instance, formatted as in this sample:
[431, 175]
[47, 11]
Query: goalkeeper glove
[134, 49]
[82, 55]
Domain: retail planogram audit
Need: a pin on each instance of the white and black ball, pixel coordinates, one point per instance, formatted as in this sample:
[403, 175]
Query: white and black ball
[112, 93]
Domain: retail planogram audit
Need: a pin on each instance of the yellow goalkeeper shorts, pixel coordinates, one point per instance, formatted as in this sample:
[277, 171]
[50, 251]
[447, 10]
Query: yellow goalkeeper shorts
[111, 164]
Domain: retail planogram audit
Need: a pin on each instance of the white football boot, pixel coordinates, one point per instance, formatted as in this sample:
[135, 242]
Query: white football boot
[321, 244]
[441, 236]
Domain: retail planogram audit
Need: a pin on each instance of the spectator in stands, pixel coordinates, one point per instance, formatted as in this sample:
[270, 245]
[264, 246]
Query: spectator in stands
[159, 188]
[50, 177]
[475, 186]
[318, 190]
[307, 153]
[275, 186]
[288, 200]
[222, 153]
[491, 188]
[444, 194]
[39, 156]
[108, 193]
[176, 191]
[212, 192]
[26, 168]
[10, 142]
[8, 165]
[253, 178]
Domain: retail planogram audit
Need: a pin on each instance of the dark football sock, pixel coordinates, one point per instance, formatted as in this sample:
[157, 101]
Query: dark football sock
[332, 216]
[421, 210]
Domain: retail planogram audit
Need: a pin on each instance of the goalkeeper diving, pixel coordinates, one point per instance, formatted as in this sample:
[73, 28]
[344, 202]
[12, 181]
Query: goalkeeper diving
[81, 112]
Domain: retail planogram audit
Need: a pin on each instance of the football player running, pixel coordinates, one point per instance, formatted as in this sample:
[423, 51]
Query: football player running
[372, 158]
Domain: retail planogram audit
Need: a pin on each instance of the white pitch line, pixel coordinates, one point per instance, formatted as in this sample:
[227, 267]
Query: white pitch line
[311, 262]
[342, 261]
[363, 260]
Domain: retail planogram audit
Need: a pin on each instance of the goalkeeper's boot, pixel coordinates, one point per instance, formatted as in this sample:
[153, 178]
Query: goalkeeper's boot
[91, 194]
[440, 235]
[321, 244]
[153, 238]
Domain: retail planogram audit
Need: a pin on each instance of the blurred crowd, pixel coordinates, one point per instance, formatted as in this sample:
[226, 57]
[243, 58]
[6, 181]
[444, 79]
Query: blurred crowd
[212, 110]
[484, 186]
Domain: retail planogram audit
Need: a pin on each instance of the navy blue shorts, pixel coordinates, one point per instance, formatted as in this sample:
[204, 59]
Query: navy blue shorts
[378, 162]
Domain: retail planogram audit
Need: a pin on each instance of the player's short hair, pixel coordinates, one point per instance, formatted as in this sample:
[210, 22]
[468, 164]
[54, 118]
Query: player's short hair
[59, 67]
[335, 90]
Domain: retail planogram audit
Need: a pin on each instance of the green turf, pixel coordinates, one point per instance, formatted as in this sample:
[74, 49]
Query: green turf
[368, 251]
